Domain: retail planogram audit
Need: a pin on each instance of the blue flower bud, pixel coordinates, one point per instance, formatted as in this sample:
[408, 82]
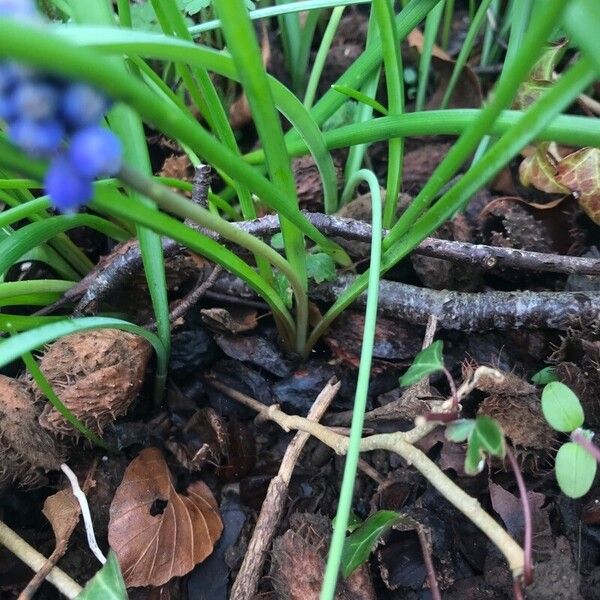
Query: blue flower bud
[96, 152]
[67, 187]
[36, 100]
[38, 138]
[23, 10]
[82, 105]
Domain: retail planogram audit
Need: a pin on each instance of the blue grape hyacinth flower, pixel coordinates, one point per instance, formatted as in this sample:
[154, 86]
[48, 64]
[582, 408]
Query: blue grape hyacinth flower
[53, 118]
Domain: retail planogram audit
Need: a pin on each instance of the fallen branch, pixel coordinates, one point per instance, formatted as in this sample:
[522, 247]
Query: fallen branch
[35, 561]
[246, 582]
[115, 270]
[481, 311]
[399, 443]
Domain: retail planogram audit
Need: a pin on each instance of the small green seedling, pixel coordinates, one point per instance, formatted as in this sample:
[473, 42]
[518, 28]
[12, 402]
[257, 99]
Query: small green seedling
[426, 362]
[483, 435]
[574, 466]
[544, 376]
[360, 543]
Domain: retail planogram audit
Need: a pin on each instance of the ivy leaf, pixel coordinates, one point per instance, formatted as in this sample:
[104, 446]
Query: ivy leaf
[490, 435]
[283, 288]
[360, 543]
[277, 241]
[580, 173]
[191, 7]
[475, 454]
[459, 431]
[575, 470]
[426, 362]
[544, 376]
[320, 267]
[540, 171]
[561, 407]
[107, 583]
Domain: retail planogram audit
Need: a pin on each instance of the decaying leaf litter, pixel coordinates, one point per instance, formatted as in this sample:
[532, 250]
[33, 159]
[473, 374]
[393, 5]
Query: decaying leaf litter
[511, 283]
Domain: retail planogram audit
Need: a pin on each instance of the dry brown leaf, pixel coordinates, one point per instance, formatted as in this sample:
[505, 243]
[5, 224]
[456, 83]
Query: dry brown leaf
[62, 510]
[232, 320]
[26, 450]
[96, 374]
[156, 532]
[540, 171]
[415, 39]
[580, 173]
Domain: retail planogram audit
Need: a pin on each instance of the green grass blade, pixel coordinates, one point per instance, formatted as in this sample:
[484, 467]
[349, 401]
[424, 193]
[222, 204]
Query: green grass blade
[432, 26]
[46, 389]
[54, 54]
[160, 47]
[321, 57]
[13, 348]
[362, 386]
[208, 247]
[30, 236]
[394, 78]
[547, 17]
[274, 11]
[244, 48]
[538, 116]
[128, 127]
[465, 50]
[581, 19]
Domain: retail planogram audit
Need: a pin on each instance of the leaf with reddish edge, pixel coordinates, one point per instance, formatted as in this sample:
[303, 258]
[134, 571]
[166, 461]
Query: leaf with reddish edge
[579, 172]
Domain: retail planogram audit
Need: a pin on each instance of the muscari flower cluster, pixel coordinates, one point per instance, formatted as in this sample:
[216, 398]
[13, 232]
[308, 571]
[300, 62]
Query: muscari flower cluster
[53, 118]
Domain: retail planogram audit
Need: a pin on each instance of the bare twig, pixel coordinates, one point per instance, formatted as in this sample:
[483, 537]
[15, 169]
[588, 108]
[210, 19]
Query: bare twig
[484, 311]
[400, 443]
[113, 271]
[246, 582]
[479, 255]
[34, 560]
[425, 550]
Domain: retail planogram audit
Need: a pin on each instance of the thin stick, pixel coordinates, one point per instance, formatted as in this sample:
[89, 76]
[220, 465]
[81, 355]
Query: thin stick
[246, 582]
[201, 287]
[399, 443]
[35, 561]
[431, 578]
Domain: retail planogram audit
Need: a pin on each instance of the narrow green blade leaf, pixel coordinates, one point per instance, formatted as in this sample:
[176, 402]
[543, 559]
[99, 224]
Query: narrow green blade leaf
[459, 431]
[361, 542]
[575, 470]
[490, 435]
[561, 407]
[426, 362]
[107, 583]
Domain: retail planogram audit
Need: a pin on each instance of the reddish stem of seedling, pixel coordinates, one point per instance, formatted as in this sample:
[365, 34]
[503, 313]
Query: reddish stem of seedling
[517, 591]
[586, 444]
[527, 521]
[455, 401]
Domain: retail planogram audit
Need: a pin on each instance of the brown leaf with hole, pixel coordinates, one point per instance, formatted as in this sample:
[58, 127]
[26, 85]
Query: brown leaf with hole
[96, 374]
[62, 510]
[156, 532]
[580, 173]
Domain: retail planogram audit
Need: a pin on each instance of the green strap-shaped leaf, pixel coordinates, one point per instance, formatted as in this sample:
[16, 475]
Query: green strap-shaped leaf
[107, 583]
